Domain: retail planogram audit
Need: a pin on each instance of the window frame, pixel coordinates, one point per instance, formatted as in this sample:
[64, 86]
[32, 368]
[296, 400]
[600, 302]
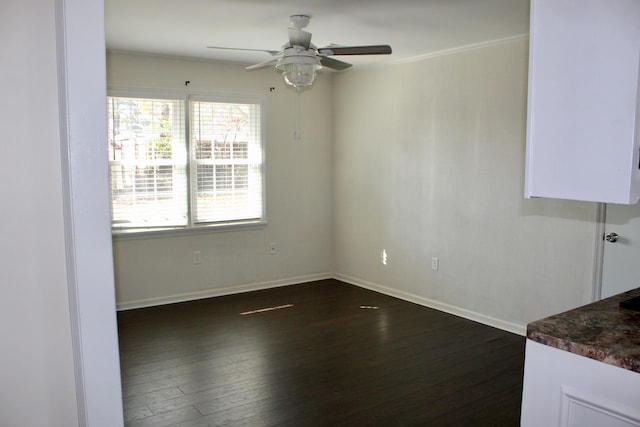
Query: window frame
[203, 96]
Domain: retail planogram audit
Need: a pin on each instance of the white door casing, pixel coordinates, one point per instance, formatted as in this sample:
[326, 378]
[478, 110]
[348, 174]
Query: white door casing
[82, 93]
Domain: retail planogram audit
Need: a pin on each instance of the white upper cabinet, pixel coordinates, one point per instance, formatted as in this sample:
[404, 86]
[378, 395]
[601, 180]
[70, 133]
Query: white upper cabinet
[583, 127]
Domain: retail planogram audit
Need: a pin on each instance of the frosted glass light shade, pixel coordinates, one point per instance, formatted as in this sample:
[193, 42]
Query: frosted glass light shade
[299, 71]
[299, 75]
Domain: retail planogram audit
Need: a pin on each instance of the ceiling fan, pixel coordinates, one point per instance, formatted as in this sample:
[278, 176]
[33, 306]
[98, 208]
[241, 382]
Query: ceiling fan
[299, 59]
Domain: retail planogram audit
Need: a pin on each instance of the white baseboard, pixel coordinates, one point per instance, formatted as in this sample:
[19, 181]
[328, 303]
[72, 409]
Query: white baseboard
[209, 293]
[437, 305]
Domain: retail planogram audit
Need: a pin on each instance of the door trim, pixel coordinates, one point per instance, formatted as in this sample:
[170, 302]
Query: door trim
[598, 262]
[87, 231]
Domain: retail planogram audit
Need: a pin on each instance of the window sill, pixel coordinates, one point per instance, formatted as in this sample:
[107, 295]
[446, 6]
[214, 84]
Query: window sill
[151, 233]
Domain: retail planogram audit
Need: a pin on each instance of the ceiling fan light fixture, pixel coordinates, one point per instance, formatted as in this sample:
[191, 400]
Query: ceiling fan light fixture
[299, 70]
[299, 60]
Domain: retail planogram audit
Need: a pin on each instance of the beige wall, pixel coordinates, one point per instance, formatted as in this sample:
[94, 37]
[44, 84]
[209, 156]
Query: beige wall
[429, 162]
[298, 189]
[422, 159]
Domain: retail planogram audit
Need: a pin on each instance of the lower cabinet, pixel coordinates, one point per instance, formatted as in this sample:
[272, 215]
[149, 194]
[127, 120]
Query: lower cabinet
[568, 390]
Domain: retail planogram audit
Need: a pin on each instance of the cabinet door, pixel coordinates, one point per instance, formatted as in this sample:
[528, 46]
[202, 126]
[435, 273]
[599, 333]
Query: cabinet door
[567, 390]
[584, 105]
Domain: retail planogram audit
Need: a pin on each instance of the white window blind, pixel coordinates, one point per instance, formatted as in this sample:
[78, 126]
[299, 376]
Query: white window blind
[226, 161]
[159, 181]
[147, 159]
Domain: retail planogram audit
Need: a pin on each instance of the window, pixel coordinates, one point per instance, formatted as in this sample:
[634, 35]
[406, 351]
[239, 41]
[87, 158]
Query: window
[184, 162]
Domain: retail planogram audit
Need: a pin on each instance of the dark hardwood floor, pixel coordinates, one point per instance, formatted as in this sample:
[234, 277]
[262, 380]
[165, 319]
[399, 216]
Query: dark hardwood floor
[339, 356]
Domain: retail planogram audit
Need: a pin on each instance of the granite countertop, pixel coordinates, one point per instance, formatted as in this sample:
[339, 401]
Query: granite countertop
[602, 331]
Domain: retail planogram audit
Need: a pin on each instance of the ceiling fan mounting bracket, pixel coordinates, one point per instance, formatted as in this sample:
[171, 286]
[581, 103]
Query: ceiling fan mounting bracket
[299, 21]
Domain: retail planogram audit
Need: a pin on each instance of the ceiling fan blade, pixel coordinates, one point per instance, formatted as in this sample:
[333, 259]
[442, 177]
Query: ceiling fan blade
[381, 49]
[270, 52]
[334, 64]
[262, 64]
[299, 38]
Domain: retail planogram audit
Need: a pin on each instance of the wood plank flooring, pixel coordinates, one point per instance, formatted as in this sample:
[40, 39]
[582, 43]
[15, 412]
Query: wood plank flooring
[340, 355]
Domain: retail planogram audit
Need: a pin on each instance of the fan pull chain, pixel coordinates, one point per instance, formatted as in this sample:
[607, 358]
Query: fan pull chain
[296, 132]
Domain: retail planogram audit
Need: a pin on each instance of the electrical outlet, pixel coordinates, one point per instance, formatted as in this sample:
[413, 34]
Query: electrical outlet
[435, 263]
[273, 248]
[197, 258]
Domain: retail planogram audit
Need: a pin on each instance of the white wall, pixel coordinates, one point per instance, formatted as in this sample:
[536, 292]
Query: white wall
[298, 188]
[37, 370]
[429, 162]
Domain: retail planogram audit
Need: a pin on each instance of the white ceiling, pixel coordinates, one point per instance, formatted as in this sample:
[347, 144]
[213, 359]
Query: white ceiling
[413, 28]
